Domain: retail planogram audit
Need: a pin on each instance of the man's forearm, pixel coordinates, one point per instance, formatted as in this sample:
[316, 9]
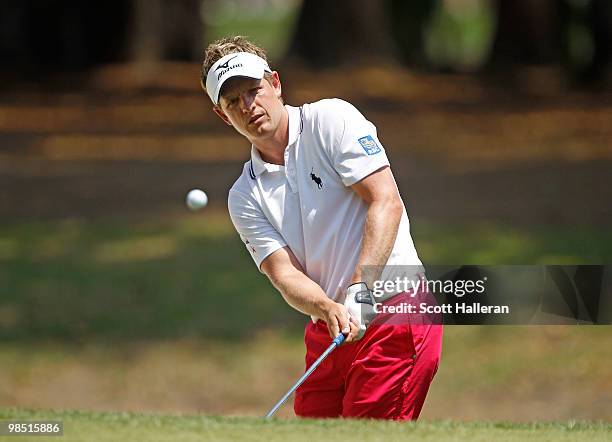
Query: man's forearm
[305, 295]
[302, 293]
[379, 234]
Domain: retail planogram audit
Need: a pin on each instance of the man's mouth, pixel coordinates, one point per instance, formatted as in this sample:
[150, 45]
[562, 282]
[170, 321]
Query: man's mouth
[255, 118]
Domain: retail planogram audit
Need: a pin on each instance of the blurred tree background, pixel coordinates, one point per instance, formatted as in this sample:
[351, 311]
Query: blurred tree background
[449, 35]
[495, 115]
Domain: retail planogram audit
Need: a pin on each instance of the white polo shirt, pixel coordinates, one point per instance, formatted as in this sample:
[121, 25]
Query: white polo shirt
[308, 204]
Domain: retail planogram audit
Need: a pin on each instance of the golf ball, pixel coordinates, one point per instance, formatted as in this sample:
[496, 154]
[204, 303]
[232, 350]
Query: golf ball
[196, 199]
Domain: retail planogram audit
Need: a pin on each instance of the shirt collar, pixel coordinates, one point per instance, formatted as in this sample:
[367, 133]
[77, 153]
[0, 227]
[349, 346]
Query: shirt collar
[258, 165]
[295, 123]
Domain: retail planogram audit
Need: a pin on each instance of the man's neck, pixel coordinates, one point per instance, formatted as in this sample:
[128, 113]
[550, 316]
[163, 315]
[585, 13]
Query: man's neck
[272, 149]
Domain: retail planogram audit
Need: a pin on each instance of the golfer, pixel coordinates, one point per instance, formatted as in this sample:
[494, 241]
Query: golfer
[315, 204]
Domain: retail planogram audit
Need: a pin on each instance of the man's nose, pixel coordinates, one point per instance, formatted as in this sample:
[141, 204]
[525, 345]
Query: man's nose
[246, 101]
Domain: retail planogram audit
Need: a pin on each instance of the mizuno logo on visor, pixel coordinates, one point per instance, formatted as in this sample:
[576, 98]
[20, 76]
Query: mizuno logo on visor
[226, 70]
[226, 64]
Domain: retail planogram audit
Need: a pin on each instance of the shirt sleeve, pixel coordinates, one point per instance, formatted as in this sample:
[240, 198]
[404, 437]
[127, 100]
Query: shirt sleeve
[258, 235]
[356, 151]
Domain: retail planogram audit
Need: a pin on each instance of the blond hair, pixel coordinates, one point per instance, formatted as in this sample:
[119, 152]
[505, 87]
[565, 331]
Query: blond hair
[224, 46]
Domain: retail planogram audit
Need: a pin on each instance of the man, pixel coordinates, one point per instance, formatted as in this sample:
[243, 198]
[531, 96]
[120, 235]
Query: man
[316, 203]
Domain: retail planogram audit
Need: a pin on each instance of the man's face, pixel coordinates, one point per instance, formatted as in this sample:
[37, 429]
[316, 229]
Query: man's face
[252, 107]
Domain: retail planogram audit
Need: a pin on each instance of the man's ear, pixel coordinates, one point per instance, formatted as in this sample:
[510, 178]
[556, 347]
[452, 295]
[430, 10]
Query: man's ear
[276, 84]
[217, 109]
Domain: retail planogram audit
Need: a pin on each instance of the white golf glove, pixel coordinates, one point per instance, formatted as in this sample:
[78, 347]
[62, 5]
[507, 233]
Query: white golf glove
[359, 302]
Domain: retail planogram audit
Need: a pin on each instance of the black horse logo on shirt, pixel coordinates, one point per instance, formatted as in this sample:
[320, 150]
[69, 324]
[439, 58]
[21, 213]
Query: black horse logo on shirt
[316, 179]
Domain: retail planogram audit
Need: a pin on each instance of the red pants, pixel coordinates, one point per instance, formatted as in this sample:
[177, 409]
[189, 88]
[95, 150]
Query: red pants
[385, 375]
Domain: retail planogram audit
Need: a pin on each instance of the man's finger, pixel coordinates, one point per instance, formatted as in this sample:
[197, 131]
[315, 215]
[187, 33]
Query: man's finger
[334, 329]
[354, 332]
[345, 322]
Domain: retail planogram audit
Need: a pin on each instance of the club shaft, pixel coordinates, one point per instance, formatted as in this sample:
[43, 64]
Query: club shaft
[337, 341]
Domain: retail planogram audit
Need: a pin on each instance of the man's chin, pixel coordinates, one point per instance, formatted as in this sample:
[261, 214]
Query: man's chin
[260, 130]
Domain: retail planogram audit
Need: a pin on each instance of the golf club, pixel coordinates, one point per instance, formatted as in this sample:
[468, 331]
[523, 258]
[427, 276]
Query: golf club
[335, 343]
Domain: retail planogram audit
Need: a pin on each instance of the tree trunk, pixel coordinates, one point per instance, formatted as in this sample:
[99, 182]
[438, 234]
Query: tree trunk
[184, 30]
[146, 38]
[528, 32]
[408, 21]
[166, 30]
[341, 32]
[600, 23]
[62, 34]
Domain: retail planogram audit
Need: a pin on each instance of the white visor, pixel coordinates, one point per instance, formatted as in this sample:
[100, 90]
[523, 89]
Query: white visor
[238, 64]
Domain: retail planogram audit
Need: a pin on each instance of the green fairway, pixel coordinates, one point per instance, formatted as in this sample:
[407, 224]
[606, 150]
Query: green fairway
[171, 278]
[485, 372]
[134, 316]
[94, 427]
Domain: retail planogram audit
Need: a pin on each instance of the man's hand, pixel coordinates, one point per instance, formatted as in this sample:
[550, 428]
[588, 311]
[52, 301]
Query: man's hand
[303, 294]
[360, 304]
[339, 321]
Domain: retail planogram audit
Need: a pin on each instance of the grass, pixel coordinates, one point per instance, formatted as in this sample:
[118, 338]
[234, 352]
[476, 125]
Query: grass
[163, 279]
[552, 372]
[190, 277]
[100, 427]
[500, 244]
[172, 316]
